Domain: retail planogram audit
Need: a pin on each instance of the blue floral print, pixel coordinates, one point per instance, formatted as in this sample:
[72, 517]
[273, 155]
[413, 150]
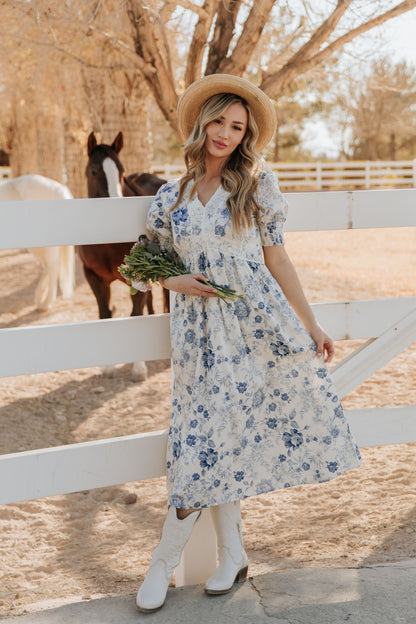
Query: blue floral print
[253, 409]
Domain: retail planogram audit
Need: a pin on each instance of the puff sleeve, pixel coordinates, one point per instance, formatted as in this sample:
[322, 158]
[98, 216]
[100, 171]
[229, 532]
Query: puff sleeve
[158, 222]
[273, 210]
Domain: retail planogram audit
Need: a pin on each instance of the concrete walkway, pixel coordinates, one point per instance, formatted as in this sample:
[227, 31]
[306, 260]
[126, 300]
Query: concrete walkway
[381, 594]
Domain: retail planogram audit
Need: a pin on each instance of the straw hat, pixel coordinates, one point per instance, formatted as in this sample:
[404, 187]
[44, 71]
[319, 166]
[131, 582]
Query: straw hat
[191, 101]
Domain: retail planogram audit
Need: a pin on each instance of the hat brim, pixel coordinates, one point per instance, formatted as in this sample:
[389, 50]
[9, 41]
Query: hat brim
[192, 100]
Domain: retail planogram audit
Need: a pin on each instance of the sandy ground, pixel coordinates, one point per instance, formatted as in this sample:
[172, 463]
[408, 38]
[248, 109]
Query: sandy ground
[96, 543]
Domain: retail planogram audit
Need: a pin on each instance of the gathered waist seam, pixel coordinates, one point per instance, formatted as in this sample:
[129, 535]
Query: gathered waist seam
[210, 261]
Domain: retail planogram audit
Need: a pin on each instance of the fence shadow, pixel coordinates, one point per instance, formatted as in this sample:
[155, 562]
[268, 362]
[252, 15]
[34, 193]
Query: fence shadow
[117, 549]
[403, 534]
[53, 417]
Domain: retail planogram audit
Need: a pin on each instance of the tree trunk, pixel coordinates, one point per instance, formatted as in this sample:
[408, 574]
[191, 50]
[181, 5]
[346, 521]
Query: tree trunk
[372, 146]
[392, 146]
[23, 155]
[154, 58]
[50, 142]
[237, 62]
[75, 155]
[116, 103]
[126, 110]
[198, 43]
[223, 34]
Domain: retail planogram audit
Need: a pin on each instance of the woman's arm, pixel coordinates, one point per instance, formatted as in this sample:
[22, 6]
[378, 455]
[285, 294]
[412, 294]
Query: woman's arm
[282, 269]
[188, 284]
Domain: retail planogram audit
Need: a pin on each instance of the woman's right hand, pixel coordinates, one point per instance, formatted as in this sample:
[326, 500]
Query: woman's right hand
[189, 284]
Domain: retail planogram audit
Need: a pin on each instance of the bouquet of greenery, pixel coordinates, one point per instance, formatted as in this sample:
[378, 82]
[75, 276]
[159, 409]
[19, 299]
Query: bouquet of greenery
[147, 262]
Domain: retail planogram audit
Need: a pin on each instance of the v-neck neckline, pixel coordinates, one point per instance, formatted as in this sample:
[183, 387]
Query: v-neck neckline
[207, 202]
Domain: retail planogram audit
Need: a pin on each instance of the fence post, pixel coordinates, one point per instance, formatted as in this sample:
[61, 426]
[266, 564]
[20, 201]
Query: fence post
[5, 173]
[367, 174]
[199, 558]
[319, 176]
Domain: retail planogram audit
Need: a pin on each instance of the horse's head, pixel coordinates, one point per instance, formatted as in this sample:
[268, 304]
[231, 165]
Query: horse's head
[104, 170]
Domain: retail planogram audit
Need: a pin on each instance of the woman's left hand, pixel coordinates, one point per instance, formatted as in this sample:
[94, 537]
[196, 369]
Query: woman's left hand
[324, 343]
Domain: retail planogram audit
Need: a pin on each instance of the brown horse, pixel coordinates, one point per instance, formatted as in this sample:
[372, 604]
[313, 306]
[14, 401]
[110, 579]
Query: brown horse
[105, 177]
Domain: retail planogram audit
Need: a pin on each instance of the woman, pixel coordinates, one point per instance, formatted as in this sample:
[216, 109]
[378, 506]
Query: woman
[253, 407]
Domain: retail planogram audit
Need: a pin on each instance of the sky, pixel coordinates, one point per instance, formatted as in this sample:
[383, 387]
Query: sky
[399, 37]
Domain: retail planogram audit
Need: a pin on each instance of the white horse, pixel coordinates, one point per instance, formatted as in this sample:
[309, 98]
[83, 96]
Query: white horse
[58, 262]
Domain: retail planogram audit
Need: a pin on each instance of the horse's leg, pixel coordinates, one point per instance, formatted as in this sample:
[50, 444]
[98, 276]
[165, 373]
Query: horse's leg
[66, 277]
[139, 300]
[52, 268]
[166, 300]
[41, 291]
[149, 302]
[101, 290]
[48, 284]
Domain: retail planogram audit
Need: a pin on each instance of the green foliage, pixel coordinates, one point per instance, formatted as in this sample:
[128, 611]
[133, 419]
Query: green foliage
[148, 262]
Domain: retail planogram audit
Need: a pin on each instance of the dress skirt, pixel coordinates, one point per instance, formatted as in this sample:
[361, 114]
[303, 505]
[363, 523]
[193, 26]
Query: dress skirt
[253, 409]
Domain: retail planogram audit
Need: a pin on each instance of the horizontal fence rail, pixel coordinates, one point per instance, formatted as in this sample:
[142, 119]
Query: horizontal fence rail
[378, 426]
[317, 175]
[91, 221]
[88, 221]
[83, 466]
[354, 174]
[102, 463]
[322, 175]
[63, 346]
[42, 348]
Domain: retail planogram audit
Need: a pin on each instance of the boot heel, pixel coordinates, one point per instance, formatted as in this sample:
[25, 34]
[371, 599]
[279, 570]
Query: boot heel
[241, 575]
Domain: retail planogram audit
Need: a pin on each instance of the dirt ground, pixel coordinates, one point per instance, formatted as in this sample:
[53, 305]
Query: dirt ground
[97, 543]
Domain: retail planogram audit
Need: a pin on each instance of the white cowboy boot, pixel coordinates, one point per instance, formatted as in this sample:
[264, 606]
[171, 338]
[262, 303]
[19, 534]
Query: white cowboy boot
[233, 561]
[175, 533]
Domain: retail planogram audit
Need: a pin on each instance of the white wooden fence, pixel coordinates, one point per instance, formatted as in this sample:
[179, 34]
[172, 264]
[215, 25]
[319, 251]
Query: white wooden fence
[330, 175]
[388, 325]
[354, 174]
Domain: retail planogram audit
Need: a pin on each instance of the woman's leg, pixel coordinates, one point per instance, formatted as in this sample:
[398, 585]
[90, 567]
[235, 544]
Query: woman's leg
[233, 561]
[176, 531]
[184, 513]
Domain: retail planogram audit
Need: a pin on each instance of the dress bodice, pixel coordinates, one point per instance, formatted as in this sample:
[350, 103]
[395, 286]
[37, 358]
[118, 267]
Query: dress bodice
[196, 231]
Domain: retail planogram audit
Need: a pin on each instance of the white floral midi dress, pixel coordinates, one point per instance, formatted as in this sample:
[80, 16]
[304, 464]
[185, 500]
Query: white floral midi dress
[253, 408]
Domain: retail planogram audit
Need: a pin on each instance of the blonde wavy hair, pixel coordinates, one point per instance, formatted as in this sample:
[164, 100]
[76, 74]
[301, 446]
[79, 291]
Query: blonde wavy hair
[239, 175]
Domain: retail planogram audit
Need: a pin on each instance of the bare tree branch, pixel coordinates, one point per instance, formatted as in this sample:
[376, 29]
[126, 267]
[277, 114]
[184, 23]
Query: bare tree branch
[95, 11]
[156, 70]
[274, 83]
[322, 33]
[199, 42]
[167, 11]
[223, 33]
[191, 6]
[256, 21]
[85, 31]
[401, 8]
[117, 45]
